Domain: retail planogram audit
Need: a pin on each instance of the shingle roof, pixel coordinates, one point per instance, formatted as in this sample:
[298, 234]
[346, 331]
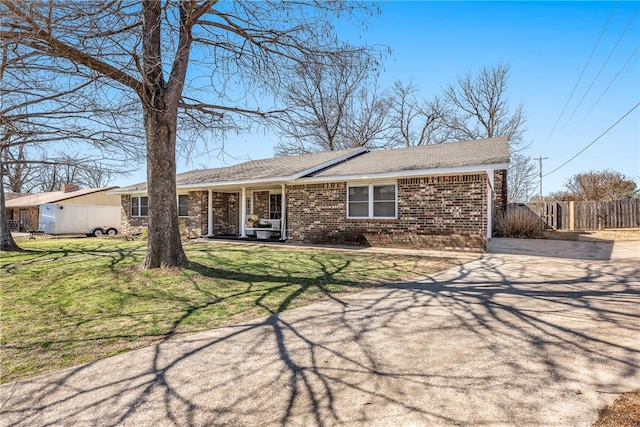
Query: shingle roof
[451, 155]
[37, 199]
[284, 168]
[351, 162]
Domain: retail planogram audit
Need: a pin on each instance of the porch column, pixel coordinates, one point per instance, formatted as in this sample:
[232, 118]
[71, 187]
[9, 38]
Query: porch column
[490, 185]
[210, 216]
[243, 213]
[283, 213]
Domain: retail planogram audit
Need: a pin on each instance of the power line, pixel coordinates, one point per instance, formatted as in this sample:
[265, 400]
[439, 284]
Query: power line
[610, 83]
[606, 24]
[594, 141]
[601, 68]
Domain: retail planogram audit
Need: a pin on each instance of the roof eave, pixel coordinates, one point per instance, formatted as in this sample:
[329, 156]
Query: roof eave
[245, 182]
[330, 163]
[406, 173]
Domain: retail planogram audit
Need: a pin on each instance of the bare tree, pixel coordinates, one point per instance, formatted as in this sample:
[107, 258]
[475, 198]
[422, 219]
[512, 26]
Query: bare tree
[522, 184]
[604, 185]
[333, 103]
[141, 51]
[482, 109]
[417, 122]
[42, 119]
[17, 174]
[68, 170]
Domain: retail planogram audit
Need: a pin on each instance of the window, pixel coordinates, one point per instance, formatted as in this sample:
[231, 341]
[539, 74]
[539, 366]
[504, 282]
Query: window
[275, 206]
[183, 205]
[371, 201]
[139, 206]
[358, 202]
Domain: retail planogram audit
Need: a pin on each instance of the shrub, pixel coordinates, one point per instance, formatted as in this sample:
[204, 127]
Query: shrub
[517, 221]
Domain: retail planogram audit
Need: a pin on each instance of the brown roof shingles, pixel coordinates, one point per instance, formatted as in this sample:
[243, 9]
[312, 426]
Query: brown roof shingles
[283, 167]
[484, 152]
[451, 155]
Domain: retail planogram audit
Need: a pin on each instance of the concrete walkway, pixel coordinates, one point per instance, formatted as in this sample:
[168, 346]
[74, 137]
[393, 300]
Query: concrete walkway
[503, 340]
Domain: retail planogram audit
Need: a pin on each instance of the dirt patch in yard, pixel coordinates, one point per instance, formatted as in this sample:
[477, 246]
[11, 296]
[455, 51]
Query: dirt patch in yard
[623, 412]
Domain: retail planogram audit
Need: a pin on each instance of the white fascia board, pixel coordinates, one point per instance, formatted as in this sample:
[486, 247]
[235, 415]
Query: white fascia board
[124, 192]
[329, 163]
[276, 180]
[406, 174]
[128, 193]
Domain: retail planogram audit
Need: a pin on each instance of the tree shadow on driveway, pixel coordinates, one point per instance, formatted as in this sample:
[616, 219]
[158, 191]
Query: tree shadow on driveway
[502, 340]
[600, 250]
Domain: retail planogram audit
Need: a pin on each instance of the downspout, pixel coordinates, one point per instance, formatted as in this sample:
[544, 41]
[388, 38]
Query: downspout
[490, 185]
[283, 213]
[210, 217]
[243, 213]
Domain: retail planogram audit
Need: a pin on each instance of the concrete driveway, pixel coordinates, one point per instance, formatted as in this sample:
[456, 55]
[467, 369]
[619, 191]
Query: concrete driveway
[504, 340]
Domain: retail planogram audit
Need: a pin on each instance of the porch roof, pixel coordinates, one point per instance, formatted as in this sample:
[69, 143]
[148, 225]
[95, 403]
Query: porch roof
[277, 169]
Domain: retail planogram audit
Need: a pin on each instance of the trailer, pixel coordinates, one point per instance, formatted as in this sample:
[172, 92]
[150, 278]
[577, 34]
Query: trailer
[91, 220]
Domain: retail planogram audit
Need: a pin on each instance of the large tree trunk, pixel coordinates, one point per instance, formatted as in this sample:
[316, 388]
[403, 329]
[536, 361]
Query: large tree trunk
[6, 239]
[164, 244]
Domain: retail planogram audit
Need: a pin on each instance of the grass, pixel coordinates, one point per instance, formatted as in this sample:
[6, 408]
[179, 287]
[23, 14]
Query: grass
[71, 301]
[623, 412]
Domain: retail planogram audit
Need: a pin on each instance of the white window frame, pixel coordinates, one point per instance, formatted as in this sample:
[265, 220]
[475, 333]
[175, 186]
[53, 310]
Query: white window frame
[178, 205]
[370, 201]
[138, 215]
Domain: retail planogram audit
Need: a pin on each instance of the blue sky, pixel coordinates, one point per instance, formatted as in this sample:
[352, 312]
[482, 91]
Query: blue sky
[547, 45]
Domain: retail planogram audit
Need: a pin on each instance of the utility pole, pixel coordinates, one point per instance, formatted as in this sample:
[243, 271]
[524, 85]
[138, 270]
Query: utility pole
[540, 159]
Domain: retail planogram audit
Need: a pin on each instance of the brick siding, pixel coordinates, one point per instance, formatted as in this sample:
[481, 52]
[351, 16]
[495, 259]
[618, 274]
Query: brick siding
[226, 213]
[196, 222]
[33, 217]
[500, 188]
[130, 224]
[438, 212]
[261, 204]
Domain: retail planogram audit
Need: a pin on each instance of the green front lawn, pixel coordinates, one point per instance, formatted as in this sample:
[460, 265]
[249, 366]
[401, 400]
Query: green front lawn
[70, 301]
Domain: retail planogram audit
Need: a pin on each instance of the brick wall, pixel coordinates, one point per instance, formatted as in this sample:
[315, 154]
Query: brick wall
[438, 212]
[130, 224]
[226, 213]
[204, 212]
[500, 188]
[261, 203]
[33, 218]
[196, 222]
[191, 227]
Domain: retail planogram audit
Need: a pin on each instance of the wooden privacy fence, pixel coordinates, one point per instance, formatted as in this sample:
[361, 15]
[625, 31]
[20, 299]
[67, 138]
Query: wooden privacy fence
[588, 215]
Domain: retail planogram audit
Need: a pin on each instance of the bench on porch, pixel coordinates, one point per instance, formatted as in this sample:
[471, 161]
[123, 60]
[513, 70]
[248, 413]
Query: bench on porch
[265, 232]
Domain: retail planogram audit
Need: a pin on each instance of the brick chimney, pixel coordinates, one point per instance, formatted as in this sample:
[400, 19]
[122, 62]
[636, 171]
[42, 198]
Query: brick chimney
[67, 188]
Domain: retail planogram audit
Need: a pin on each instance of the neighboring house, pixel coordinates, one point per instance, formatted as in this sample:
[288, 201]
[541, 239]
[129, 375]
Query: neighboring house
[435, 196]
[24, 212]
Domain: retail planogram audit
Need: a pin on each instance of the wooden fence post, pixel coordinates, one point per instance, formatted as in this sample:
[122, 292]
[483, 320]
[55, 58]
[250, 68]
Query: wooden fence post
[572, 215]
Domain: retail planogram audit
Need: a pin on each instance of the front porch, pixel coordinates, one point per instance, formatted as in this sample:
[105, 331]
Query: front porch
[251, 212]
